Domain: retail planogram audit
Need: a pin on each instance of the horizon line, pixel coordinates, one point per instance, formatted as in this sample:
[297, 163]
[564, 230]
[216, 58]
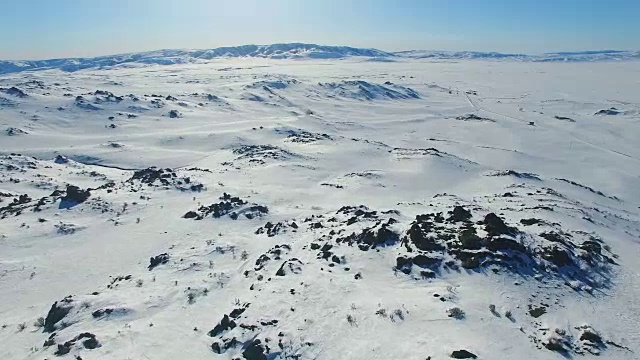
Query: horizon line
[575, 52]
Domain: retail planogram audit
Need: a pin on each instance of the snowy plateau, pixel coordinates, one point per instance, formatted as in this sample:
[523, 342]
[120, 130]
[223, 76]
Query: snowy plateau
[304, 202]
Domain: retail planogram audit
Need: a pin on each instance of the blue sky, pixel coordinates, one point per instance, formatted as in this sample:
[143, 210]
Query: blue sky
[37, 29]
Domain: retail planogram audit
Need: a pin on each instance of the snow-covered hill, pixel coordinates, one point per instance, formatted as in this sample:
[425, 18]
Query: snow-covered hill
[167, 57]
[580, 56]
[295, 51]
[276, 209]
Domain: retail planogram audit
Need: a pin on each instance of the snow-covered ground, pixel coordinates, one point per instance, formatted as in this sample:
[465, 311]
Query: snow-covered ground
[321, 209]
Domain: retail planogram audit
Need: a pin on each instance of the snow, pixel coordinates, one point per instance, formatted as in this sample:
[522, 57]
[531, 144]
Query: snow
[315, 151]
[578, 56]
[297, 51]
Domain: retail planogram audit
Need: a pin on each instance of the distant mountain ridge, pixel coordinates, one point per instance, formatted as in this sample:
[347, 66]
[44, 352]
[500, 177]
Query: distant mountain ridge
[577, 56]
[295, 51]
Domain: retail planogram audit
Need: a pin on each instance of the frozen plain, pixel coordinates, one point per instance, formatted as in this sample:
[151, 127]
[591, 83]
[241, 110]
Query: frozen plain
[315, 151]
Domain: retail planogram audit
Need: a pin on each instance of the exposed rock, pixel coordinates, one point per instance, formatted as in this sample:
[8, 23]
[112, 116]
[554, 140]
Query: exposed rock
[90, 342]
[215, 347]
[556, 237]
[255, 351]
[229, 205]
[60, 159]
[291, 266]
[459, 214]
[537, 311]
[306, 137]
[224, 325]
[260, 154]
[557, 256]
[22, 199]
[15, 92]
[501, 244]
[158, 260]
[463, 354]
[473, 117]
[154, 176]
[495, 226]
[609, 111]
[519, 175]
[418, 235]
[50, 341]
[591, 247]
[469, 239]
[58, 311]
[275, 229]
[370, 238]
[555, 345]
[150, 175]
[101, 312]
[469, 259]
[218, 348]
[425, 261]
[531, 221]
[275, 253]
[14, 131]
[75, 194]
[404, 264]
[588, 334]
[63, 349]
[235, 313]
[590, 189]
[564, 118]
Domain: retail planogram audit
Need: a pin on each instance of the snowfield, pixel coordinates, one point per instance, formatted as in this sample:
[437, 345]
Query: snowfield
[321, 208]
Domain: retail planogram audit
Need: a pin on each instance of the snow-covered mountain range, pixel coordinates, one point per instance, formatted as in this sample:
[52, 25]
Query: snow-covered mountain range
[295, 51]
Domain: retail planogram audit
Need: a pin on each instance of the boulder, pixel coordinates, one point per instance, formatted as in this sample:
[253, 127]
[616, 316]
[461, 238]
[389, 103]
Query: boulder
[459, 214]
[76, 194]
[463, 354]
[557, 256]
[58, 311]
[255, 351]
[495, 226]
[225, 324]
[158, 260]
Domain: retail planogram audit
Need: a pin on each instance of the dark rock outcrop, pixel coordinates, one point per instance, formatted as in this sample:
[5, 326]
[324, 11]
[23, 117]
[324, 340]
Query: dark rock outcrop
[495, 226]
[371, 238]
[291, 266]
[255, 351]
[418, 235]
[58, 311]
[15, 92]
[224, 325]
[609, 111]
[463, 354]
[557, 256]
[404, 264]
[459, 213]
[158, 260]
[90, 342]
[229, 205]
[531, 221]
[502, 244]
[76, 194]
